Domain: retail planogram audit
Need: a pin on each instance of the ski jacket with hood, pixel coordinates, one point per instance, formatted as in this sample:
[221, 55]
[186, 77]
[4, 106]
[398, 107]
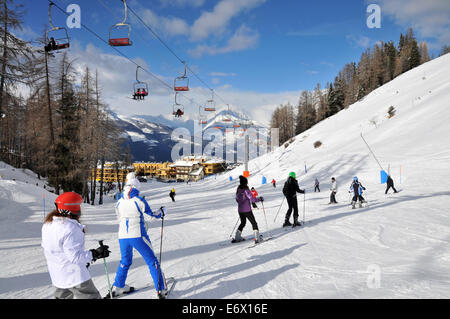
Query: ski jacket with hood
[357, 188]
[63, 243]
[244, 198]
[334, 186]
[291, 188]
[130, 211]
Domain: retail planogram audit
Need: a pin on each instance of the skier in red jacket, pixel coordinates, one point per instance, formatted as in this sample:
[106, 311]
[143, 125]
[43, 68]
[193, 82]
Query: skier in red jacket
[255, 195]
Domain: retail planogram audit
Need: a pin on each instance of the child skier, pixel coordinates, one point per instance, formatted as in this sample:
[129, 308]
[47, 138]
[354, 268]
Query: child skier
[63, 243]
[133, 234]
[290, 191]
[274, 183]
[316, 185]
[255, 194]
[357, 190]
[390, 183]
[244, 197]
[333, 190]
[172, 194]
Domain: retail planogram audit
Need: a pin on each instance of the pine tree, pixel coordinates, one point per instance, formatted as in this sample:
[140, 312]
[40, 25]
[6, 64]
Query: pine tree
[333, 106]
[320, 100]
[415, 58]
[67, 149]
[306, 113]
[391, 53]
[423, 51]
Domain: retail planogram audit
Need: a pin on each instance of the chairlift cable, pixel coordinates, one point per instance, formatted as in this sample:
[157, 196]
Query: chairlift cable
[170, 87]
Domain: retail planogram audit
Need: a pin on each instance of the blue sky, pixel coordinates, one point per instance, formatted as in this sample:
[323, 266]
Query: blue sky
[257, 54]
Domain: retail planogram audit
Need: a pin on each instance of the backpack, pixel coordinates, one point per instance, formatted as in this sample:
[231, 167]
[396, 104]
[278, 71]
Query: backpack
[285, 189]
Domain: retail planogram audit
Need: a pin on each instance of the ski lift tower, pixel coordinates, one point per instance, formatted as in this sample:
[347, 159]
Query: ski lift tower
[245, 125]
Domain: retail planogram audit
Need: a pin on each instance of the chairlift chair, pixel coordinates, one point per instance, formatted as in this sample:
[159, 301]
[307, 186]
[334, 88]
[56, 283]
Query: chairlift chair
[178, 109]
[210, 104]
[202, 118]
[181, 83]
[140, 89]
[227, 118]
[120, 28]
[56, 40]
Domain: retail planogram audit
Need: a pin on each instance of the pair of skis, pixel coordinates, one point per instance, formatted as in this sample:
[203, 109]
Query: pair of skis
[170, 284]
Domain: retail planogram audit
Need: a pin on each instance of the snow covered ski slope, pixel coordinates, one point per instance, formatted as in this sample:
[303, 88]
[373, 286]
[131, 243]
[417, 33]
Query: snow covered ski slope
[398, 247]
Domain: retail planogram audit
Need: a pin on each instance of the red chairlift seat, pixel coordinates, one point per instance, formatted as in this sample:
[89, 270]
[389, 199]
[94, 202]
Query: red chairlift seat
[120, 42]
[181, 88]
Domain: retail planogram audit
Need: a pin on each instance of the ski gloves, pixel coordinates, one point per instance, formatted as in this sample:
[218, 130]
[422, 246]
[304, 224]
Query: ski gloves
[100, 252]
[163, 211]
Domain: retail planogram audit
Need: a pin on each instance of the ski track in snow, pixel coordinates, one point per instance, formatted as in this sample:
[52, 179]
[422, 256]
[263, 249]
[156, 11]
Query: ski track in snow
[405, 236]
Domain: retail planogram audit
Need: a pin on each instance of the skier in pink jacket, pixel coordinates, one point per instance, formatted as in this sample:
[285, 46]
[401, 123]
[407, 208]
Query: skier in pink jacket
[244, 198]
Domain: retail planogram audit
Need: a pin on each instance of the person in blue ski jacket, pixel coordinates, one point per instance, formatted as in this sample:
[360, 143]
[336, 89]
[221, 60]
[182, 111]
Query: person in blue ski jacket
[130, 210]
[357, 189]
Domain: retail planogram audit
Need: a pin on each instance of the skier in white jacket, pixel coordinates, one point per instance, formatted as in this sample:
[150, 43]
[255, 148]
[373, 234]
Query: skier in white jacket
[130, 211]
[63, 243]
[333, 190]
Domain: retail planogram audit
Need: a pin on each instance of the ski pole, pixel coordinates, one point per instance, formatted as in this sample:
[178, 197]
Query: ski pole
[279, 209]
[44, 205]
[160, 248]
[106, 271]
[264, 210]
[304, 206]
[231, 235]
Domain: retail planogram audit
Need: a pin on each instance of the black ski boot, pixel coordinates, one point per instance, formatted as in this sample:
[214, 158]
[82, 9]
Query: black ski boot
[296, 223]
[287, 223]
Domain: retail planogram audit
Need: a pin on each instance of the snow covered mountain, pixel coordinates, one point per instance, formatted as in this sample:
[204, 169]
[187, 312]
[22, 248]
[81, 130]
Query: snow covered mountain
[148, 141]
[397, 247]
[149, 136]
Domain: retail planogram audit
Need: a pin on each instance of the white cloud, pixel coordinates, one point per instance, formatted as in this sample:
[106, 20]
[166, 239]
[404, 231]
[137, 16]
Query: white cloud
[222, 74]
[216, 21]
[117, 75]
[171, 26]
[182, 3]
[244, 38]
[359, 41]
[430, 18]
